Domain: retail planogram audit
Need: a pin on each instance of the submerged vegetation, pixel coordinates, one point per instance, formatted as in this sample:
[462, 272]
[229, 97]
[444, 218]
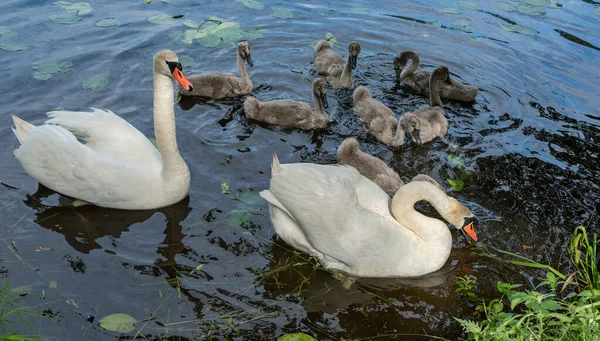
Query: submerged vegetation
[561, 307]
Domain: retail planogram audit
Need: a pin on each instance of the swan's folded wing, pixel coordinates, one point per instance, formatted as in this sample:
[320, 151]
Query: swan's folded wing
[107, 133]
[324, 202]
[53, 156]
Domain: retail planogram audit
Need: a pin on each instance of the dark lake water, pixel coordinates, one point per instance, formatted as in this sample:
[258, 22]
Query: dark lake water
[529, 158]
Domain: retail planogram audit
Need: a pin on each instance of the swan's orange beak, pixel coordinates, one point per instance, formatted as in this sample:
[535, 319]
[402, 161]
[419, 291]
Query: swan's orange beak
[469, 230]
[182, 79]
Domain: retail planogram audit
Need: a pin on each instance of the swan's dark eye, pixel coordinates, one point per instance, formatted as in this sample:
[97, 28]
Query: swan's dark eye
[174, 65]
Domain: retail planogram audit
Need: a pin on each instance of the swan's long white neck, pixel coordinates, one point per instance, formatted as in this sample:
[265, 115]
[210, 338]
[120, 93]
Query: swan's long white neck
[346, 76]
[164, 125]
[242, 68]
[429, 229]
[414, 64]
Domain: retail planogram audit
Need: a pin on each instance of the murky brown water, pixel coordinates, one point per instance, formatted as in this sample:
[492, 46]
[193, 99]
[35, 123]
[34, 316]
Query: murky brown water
[529, 161]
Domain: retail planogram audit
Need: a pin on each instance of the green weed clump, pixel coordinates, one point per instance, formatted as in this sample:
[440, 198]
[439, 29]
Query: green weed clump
[12, 314]
[562, 307]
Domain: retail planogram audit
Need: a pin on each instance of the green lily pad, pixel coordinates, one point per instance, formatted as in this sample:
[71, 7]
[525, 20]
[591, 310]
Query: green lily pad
[107, 22]
[251, 4]
[597, 10]
[212, 40]
[65, 19]
[4, 30]
[120, 323]
[191, 23]
[7, 46]
[78, 8]
[161, 19]
[43, 76]
[434, 23]
[296, 337]
[456, 160]
[251, 198]
[52, 284]
[463, 22]
[187, 61]
[531, 10]
[96, 82]
[280, 12]
[51, 66]
[505, 6]
[172, 2]
[457, 185]
[469, 4]
[452, 10]
[252, 34]
[238, 218]
[519, 29]
[330, 38]
[214, 32]
[542, 3]
[360, 10]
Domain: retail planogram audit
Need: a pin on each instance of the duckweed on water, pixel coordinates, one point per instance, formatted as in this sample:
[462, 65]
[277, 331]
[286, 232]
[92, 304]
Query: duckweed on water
[280, 12]
[251, 4]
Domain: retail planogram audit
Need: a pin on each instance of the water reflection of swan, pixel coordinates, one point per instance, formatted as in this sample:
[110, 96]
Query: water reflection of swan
[332, 64]
[291, 114]
[217, 85]
[428, 122]
[322, 210]
[117, 167]
[82, 226]
[419, 80]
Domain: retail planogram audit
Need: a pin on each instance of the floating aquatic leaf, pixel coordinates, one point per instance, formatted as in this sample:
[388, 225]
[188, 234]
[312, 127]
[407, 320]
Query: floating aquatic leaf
[120, 323]
[457, 185]
[43, 248]
[52, 285]
[225, 188]
[251, 4]
[469, 4]
[456, 160]
[505, 6]
[464, 22]
[296, 337]
[597, 10]
[330, 38]
[542, 3]
[251, 198]
[79, 8]
[214, 32]
[519, 29]
[238, 218]
[360, 10]
[531, 10]
[107, 22]
[280, 12]
[252, 35]
[434, 23]
[96, 82]
[187, 61]
[65, 19]
[43, 76]
[51, 66]
[172, 2]
[5, 31]
[452, 10]
[8, 46]
[161, 19]
[191, 23]
[212, 40]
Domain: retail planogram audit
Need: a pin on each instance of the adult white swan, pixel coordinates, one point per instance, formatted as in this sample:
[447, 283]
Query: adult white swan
[342, 218]
[118, 166]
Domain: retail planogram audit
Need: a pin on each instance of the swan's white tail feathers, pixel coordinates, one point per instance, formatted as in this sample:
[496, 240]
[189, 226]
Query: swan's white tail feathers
[22, 129]
[269, 197]
[275, 167]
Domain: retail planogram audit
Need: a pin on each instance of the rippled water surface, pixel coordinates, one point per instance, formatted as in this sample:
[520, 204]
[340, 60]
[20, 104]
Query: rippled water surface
[528, 155]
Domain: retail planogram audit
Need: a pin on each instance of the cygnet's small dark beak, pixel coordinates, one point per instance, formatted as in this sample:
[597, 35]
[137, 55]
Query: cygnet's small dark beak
[353, 61]
[249, 61]
[416, 134]
[323, 98]
[448, 81]
[398, 73]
